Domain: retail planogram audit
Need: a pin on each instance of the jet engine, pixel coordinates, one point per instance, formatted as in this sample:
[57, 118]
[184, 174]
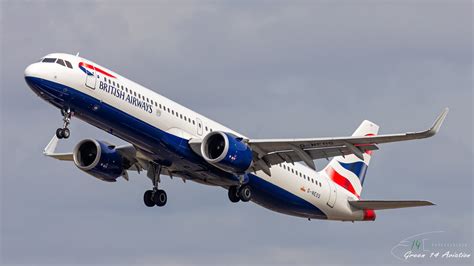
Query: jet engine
[227, 152]
[99, 159]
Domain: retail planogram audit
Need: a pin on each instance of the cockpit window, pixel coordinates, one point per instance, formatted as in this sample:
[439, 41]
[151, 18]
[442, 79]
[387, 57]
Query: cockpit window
[49, 60]
[61, 62]
[58, 61]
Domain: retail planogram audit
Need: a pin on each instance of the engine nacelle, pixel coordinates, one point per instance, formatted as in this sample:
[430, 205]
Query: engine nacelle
[98, 159]
[227, 152]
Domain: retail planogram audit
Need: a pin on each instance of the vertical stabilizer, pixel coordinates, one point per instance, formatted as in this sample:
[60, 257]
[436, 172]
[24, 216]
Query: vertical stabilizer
[349, 171]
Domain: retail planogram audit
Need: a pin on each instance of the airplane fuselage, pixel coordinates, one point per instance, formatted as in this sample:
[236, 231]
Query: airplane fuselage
[161, 129]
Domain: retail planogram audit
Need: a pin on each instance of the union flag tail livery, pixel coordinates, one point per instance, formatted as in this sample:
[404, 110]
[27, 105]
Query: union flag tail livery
[166, 138]
[349, 171]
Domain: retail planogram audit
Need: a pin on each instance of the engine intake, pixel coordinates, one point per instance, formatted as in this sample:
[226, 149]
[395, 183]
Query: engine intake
[98, 159]
[227, 152]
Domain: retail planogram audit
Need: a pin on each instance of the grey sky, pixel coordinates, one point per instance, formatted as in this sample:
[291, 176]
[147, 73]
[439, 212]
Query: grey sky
[266, 69]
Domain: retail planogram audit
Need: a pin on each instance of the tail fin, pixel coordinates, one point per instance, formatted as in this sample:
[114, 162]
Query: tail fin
[349, 171]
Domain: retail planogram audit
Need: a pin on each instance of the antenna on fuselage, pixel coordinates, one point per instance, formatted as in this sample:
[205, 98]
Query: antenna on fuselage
[77, 54]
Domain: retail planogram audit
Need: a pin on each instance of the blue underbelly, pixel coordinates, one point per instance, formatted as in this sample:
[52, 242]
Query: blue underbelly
[278, 199]
[166, 148]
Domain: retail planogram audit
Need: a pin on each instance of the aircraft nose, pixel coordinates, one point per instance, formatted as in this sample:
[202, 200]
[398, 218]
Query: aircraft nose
[32, 70]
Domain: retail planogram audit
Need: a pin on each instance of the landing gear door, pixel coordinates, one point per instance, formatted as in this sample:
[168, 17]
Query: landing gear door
[332, 193]
[91, 78]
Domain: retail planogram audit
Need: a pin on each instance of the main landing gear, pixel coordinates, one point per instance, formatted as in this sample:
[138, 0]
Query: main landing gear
[156, 196]
[64, 133]
[243, 193]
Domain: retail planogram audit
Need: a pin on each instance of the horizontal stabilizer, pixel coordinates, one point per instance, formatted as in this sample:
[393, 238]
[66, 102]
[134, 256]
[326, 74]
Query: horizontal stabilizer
[387, 204]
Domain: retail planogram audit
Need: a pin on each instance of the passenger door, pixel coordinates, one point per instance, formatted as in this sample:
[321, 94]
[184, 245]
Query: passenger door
[332, 193]
[91, 79]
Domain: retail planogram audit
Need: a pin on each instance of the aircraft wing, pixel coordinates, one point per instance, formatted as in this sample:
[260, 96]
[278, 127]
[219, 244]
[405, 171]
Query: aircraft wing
[127, 151]
[138, 161]
[274, 151]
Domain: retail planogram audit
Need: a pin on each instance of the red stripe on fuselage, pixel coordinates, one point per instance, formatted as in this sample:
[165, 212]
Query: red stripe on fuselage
[89, 66]
[341, 180]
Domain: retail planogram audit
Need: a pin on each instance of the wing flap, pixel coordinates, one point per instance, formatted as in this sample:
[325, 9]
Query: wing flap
[388, 204]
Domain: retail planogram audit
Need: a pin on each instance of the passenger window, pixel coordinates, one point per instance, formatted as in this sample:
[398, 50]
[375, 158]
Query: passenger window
[292, 171]
[147, 100]
[68, 64]
[105, 79]
[49, 60]
[126, 89]
[135, 93]
[172, 112]
[160, 105]
[181, 116]
[194, 122]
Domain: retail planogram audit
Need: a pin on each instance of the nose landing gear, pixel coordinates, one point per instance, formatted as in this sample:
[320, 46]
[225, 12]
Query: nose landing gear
[64, 133]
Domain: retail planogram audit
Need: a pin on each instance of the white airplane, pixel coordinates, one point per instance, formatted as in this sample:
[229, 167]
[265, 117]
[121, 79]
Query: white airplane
[170, 139]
